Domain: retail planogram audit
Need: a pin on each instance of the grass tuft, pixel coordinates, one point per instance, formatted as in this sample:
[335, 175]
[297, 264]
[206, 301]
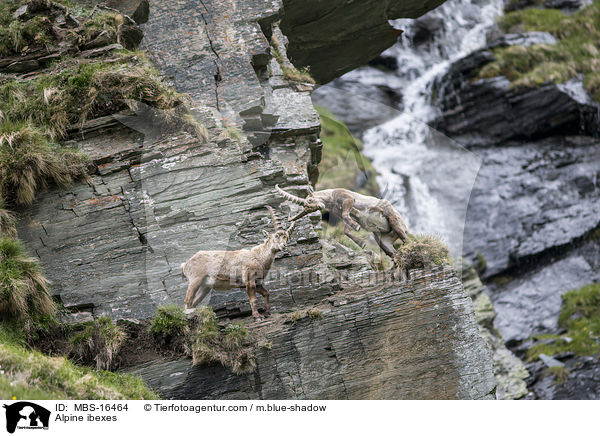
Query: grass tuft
[575, 53]
[560, 374]
[97, 341]
[231, 347]
[28, 161]
[169, 321]
[422, 251]
[24, 291]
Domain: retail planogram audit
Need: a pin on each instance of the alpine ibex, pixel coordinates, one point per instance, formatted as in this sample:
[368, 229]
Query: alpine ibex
[356, 211]
[223, 270]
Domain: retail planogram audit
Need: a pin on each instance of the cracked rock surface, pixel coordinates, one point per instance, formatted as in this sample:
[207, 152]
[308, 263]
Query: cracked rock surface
[114, 246]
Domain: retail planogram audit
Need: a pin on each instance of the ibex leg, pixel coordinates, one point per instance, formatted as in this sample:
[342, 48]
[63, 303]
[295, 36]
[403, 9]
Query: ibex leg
[192, 296]
[396, 222]
[347, 207]
[262, 291]
[251, 292]
[355, 238]
[386, 244]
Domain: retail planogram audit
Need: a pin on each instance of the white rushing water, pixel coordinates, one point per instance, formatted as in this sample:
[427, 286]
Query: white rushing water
[424, 174]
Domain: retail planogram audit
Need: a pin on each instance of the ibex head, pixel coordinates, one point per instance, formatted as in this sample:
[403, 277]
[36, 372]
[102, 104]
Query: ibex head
[311, 204]
[280, 238]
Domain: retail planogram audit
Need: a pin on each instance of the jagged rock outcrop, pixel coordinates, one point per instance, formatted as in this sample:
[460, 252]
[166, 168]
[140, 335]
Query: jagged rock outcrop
[113, 246]
[509, 370]
[414, 334]
[478, 112]
[334, 37]
[533, 216]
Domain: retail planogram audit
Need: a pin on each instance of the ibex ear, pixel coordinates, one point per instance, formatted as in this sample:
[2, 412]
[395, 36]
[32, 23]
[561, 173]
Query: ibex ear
[265, 233]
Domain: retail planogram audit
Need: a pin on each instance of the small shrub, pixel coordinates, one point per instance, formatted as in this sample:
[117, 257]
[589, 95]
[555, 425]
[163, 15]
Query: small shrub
[24, 291]
[229, 348]
[235, 335]
[169, 321]
[560, 374]
[297, 316]
[423, 251]
[314, 313]
[97, 341]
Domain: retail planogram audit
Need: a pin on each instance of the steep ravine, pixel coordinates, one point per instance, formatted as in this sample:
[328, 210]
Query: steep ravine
[113, 246]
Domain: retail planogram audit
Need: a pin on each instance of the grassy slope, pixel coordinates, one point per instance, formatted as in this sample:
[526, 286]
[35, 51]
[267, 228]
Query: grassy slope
[577, 50]
[29, 374]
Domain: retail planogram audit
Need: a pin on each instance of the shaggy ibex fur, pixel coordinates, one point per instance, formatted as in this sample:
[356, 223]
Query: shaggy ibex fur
[223, 270]
[356, 211]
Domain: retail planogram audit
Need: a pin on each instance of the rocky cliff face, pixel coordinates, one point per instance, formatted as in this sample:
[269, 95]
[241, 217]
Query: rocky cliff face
[335, 37]
[533, 215]
[534, 208]
[113, 246]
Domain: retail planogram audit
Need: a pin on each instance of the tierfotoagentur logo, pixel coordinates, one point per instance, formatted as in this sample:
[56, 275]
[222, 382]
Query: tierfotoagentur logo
[25, 415]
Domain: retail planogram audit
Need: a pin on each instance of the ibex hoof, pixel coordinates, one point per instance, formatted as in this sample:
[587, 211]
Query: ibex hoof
[258, 318]
[357, 228]
[189, 311]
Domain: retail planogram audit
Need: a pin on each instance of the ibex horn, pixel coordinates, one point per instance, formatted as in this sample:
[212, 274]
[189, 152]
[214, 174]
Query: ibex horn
[300, 215]
[290, 197]
[290, 229]
[274, 219]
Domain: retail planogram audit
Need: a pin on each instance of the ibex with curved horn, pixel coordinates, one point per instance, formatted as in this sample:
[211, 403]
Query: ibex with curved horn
[356, 211]
[223, 270]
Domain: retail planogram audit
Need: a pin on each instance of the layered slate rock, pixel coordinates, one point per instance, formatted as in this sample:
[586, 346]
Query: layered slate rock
[415, 340]
[334, 37]
[113, 246]
[533, 215]
[478, 112]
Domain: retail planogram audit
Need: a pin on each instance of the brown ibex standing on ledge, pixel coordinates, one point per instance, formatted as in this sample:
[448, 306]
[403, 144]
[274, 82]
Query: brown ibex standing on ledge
[223, 270]
[356, 211]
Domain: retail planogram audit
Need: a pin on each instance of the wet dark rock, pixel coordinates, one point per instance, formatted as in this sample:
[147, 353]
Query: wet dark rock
[490, 111]
[389, 63]
[582, 380]
[524, 39]
[378, 103]
[425, 29]
[335, 37]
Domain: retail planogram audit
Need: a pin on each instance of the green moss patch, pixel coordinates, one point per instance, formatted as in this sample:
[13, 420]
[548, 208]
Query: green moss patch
[580, 315]
[577, 50]
[342, 160]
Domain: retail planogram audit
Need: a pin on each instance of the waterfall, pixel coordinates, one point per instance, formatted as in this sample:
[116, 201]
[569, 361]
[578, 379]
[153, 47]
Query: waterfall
[426, 175]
